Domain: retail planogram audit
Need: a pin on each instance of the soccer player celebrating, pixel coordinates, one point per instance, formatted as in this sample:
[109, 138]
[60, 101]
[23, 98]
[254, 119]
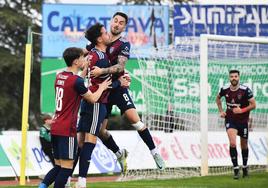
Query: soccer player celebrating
[69, 88]
[118, 53]
[239, 101]
[92, 115]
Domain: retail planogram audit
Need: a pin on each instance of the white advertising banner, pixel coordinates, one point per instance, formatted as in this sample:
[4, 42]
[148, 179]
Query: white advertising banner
[182, 149]
[179, 149]
[37, 163]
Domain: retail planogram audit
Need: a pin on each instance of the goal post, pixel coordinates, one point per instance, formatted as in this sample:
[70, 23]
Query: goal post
[204, 39]
[204, 105]
[179, 88]
[25, 105]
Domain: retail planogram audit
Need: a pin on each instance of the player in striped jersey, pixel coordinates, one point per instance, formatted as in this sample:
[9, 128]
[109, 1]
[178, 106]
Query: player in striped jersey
[240, 101]
[92, 115]
[69, 88]
[118, 52]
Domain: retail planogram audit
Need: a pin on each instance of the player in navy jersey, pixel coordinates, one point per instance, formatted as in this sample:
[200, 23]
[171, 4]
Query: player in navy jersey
[92, 115]
[69, 89]
[118, 53]
[240, 101]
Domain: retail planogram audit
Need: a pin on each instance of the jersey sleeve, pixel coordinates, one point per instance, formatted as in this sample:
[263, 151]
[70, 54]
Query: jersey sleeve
[125, 50]
[80, 86]
[221, 92]
[249, 93]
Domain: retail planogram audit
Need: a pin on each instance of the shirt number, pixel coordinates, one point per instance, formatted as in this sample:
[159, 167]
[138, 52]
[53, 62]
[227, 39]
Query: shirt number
[59, 96]
[125, 97]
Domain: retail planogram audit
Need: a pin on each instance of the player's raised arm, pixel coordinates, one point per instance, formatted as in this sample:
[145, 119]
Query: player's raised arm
[122, 60]
[93, 97]
[117, 68]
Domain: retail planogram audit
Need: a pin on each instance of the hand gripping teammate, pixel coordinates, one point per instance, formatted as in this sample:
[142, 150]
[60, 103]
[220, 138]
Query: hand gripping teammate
[69, 89]
[118, 53]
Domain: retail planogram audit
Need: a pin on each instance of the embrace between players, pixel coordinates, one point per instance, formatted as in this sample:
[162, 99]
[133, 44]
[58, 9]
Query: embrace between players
[104, 60]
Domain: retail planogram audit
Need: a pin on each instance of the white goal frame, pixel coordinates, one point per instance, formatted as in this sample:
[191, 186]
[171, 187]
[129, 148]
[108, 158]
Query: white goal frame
[204, 38]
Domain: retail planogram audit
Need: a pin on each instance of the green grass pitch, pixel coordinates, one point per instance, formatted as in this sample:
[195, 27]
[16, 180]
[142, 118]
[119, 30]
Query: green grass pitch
[256, 180]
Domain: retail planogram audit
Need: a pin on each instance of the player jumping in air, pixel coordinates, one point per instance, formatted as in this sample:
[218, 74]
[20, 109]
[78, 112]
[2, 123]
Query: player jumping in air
[69, 89]
[239, 101]
[118, 53]
[92, 115]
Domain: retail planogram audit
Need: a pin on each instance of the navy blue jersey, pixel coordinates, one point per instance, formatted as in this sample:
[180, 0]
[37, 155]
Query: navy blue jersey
[239, 98]
[119, 47]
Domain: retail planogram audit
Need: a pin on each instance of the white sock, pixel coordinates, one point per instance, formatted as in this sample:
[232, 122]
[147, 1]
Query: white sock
[118, 154]
[154, 151]
[68, 183]
[82, 182]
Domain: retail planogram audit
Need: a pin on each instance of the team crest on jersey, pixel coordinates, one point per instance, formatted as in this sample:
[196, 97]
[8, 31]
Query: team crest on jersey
[232, 101]
[111, 50]
[226, 95]
[239, 96]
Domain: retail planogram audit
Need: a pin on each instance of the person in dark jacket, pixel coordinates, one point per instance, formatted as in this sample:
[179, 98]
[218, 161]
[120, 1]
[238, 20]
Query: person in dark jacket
[45, 137]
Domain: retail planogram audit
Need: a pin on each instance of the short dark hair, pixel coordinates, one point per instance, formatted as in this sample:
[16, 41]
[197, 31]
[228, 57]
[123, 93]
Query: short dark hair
[45, 117]
[70, 54]
[234, 71]
[121, 14]
[93, 33]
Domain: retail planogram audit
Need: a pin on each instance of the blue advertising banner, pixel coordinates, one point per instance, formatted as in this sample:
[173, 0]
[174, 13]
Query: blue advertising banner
[234, 20]
[64, 25]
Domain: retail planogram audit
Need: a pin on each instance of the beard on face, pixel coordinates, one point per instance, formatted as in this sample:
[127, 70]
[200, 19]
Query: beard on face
[115, 31]
[234, 82]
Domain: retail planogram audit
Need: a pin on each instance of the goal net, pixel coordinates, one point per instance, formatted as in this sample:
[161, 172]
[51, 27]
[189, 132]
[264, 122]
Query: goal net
[179, 97]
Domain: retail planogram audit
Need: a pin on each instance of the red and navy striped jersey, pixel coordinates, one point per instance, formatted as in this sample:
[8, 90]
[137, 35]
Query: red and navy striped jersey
[69, 89]
[99, 59]
[238, 98]
[119, 47]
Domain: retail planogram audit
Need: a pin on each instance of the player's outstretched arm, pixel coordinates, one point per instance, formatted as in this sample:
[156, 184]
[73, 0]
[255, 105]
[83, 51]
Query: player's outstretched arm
[219, 104]
[117, 68]
[93, 97]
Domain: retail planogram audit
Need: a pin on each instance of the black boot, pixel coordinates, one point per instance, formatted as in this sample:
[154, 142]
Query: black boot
[236, 173]
[245, 171]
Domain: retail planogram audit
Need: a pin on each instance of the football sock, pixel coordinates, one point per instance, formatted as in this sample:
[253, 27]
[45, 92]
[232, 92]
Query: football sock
[76, 159]
[85, 157]
[110, 144]
[147, 138]
[62, 177]
[154, 151]
[233, 154]
[245, 156]
[51, 175]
